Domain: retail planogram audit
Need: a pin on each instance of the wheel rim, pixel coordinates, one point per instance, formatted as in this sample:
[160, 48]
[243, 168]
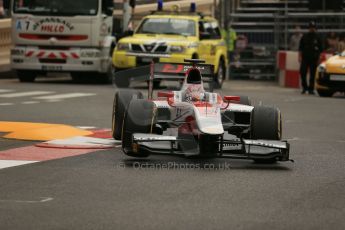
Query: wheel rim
[220, 74]
[113, 117]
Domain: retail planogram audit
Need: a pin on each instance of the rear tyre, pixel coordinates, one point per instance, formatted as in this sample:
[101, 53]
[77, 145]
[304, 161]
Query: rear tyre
[325, 93]
[78, 77]
[122, 99]
[266, 123]
[26, 75]
[220, 75]
[140, 117]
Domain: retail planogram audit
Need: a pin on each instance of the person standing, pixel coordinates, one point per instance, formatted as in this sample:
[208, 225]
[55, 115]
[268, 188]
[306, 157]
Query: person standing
[295, 39]
[4, 7]
[310, 48]
[341, 43]
[230, 36]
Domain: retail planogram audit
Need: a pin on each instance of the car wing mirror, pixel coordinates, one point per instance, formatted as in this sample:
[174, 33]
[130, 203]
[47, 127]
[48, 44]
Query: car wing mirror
[167, 94]
[228, 99]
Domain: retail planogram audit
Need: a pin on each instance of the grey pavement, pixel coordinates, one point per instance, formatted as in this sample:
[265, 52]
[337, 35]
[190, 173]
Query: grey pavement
[108, 190]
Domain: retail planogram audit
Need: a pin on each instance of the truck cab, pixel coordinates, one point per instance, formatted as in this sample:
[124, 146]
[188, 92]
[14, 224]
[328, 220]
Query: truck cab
[62, 36]
[170, 36]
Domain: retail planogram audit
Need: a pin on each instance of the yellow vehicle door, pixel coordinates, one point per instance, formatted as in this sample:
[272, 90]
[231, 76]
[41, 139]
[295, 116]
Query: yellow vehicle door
[210, 37]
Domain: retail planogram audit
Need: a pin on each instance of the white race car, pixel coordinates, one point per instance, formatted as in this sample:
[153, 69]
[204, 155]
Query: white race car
[195, 123]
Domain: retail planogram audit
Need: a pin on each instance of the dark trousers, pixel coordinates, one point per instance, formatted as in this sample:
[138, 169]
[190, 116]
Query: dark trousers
[310, 64]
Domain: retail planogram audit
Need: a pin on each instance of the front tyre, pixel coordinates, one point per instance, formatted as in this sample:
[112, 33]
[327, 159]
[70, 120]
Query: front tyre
[26, 75]
[122, 99]
[266, 123]
[325, 93]
[78, 77]
[140, 117]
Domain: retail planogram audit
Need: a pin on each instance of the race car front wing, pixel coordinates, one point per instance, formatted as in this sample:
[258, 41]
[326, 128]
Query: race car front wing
[234, 148]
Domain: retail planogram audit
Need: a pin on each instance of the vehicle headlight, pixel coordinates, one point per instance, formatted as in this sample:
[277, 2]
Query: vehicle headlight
[123, 46]
[321, 68]
[176, 49]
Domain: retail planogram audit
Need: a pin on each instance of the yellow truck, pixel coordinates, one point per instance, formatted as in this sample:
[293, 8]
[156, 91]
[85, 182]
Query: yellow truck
[172, 36]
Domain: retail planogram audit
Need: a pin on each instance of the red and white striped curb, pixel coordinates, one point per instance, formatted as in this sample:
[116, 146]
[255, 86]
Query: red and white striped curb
[55, 149]
[80, 142]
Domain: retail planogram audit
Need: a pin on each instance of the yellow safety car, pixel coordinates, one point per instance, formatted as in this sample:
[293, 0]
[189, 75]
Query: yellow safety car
[173, 36]
[330, 76]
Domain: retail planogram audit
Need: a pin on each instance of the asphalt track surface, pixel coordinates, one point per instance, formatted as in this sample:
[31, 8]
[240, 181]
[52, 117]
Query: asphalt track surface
[107, 190]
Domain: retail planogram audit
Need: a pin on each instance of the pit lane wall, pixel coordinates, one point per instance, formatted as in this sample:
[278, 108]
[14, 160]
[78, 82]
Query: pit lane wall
[205, 6]
[288, 68]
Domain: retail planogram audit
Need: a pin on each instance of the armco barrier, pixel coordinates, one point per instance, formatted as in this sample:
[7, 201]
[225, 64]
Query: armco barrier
[5, 44]
[206, 6]
[288, 67]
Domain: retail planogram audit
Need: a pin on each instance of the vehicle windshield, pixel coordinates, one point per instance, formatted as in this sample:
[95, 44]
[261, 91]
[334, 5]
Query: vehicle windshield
[172, 26]
[56, 7]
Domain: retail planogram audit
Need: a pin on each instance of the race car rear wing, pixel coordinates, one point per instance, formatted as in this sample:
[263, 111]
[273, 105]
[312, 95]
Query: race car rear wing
[172, 71]
[164, 71]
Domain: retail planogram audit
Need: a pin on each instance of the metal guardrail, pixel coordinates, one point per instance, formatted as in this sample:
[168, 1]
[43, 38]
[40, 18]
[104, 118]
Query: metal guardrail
[270, 32]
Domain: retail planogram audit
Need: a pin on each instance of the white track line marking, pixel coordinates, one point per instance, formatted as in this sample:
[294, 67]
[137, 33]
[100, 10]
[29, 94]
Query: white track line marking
[65, 96]
[6, 104]
[5, 90]
[53, 100]
[30, 102]
[25, 94]
[12, 163]
[42, 200]
[86, 127]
